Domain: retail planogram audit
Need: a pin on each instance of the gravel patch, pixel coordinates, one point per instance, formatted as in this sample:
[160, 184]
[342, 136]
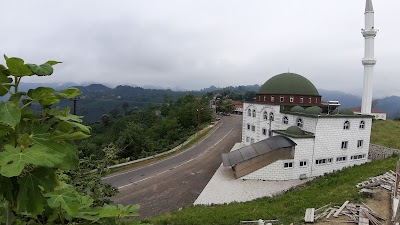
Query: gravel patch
[225, 188]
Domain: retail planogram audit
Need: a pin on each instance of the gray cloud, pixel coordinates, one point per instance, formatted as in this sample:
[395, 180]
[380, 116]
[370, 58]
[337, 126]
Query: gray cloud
[195, 44]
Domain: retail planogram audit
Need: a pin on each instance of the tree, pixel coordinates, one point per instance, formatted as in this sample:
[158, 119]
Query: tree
[125, 106]
[106, 119]
[36, 151]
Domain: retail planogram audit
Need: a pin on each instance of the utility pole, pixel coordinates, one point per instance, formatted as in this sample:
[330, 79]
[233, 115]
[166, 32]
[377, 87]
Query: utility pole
[75, 100]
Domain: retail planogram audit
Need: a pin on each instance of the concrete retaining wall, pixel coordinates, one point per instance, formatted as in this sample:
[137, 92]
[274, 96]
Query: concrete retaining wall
[381, 152]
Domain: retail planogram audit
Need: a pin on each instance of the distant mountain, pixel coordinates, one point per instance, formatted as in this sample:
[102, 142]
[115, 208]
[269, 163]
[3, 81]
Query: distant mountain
[346, 100]
[390, 105]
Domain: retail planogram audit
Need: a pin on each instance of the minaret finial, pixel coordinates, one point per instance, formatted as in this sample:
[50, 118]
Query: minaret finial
[368, 6]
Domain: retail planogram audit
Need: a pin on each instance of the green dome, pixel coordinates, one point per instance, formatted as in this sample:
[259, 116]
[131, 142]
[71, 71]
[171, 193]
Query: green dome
[315, 110]
[294, 130]
[346, 112]
[289, 84]
[297, 109]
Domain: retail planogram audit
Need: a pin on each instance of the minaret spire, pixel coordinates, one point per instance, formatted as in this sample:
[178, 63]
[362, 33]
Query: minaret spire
[368, 61]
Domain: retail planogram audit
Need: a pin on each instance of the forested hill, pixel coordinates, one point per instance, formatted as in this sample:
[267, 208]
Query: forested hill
[98, 99]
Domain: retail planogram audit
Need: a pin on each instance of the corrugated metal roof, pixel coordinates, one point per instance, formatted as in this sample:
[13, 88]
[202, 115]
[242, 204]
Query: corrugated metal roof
[256, 149]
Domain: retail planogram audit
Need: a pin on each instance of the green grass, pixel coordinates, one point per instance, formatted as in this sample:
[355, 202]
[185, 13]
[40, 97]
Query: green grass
[289, 207]
[386, 133]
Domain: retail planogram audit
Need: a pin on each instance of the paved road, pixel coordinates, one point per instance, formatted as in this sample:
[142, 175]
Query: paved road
[178, 180]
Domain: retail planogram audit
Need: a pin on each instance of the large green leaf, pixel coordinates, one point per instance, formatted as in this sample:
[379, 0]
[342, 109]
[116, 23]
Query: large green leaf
[30, 198]
[68, 150]
[71, 92]
[66, 198]
[114, 211]
[14, 159]
[4, 130]
[42, 70]
[70, 136]
[17, 67]
[9, 113]
[4, 71]
[44, 95]
[52, 62]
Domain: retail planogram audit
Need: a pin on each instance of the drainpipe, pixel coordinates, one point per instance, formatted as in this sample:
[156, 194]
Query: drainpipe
[312, 158]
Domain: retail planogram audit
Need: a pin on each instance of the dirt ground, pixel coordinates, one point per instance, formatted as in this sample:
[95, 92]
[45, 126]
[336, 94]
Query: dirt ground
[379, 202]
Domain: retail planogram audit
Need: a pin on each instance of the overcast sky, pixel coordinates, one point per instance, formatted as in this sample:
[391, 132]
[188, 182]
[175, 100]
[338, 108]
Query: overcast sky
[194, 44]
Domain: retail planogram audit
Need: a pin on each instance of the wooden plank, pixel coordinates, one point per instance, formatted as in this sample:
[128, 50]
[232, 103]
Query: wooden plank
[309, 216]
[330, 213]
[340, 209]
[372, 212]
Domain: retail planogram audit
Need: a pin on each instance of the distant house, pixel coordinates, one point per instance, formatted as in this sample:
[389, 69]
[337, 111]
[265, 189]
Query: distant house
[378, 114]
[238, 108]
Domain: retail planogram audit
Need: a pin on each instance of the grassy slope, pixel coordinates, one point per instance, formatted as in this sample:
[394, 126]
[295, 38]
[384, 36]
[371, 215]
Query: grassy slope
[386, 133]
[290, 207]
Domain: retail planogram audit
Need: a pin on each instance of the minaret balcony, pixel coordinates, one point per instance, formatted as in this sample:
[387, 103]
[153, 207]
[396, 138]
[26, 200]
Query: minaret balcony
[368, 61]
[369, 33]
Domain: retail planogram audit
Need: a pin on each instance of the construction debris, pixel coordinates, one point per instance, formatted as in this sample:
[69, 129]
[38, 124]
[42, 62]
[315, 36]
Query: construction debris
[357, 213]
[385, 181]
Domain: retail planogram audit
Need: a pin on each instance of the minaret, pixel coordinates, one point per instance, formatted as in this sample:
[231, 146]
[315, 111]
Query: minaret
[368, 61]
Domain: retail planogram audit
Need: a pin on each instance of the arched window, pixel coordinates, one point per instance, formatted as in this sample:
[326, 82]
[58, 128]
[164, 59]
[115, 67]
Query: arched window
[285, 120]
[271, 116]
[254, 113]
[346, 125]
[249, 112]
[265, 115]
[362, 124]
[299, 122]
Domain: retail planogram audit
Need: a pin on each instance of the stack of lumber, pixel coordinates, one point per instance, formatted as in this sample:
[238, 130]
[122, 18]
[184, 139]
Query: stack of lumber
[356, 213]
[385, 181]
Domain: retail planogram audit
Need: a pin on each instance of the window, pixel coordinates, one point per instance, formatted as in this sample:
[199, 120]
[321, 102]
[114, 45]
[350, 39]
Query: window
[362, 124]
[309, 100]
[272, 98]
[344, 144]
[247, 139]
[288, 165]
[259, 98]
[299, 122]
[249, 112]
[291, 99]
[252, 141]
[264, 131]
[265, 115]
[341, 159]
[271, 116]
[253, 128]
[265, 98]
[359, 143]
[248, 126]
[356, 157]
[346, 125]
[316, 100]
[254, 113]
[285, 120]
[301, 99]
[303, 163]
[323, 161]
[282, 98]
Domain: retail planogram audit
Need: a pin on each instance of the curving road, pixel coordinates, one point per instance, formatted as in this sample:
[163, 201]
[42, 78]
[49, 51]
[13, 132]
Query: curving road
[177, 181]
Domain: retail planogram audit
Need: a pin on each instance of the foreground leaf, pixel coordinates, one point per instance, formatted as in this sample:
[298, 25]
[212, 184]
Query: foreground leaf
[42, 70]
[71, 92]
[17, 67]
[66, 198]
[30, 198]
[13, 160]
[10, 113]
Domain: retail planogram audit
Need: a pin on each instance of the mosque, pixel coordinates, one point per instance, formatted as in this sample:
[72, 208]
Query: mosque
[289, 133]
